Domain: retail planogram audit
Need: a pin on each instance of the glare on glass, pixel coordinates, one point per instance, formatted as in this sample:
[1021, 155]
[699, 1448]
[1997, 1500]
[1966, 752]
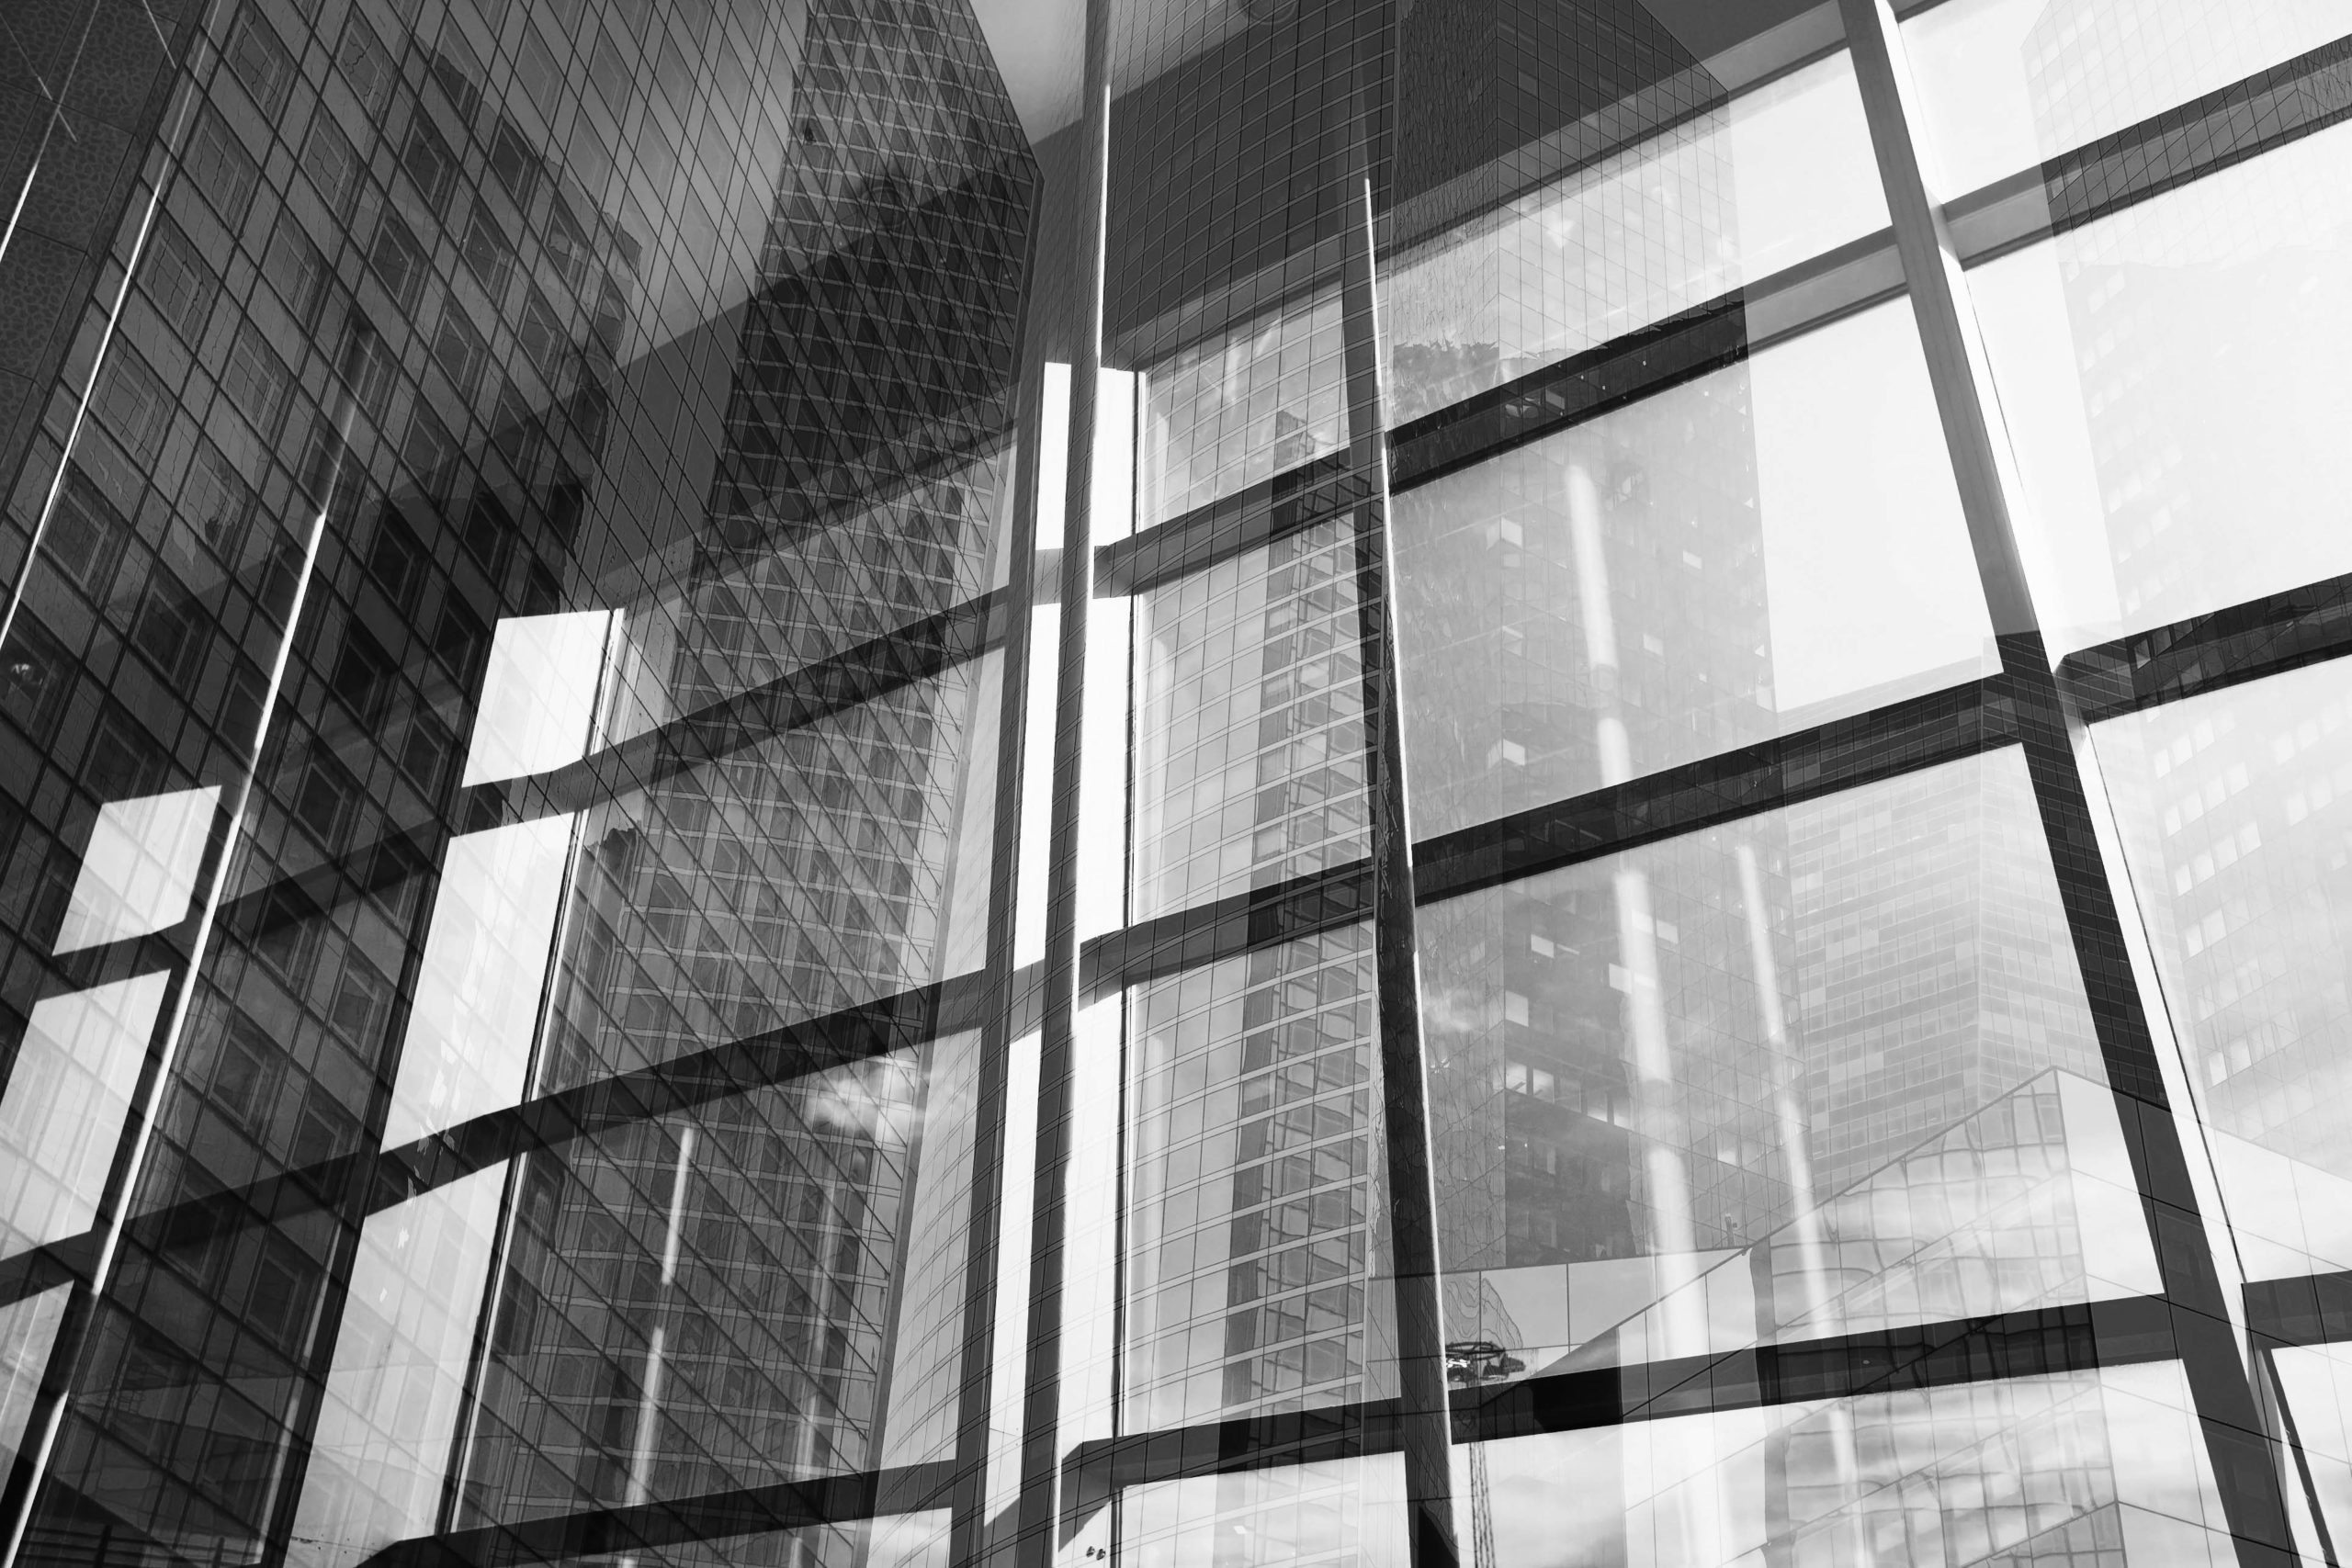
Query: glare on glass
[2004, 85]
[1763, 549]
[2167, 378]
[1772, 177]
[2235, 808]
[1824, 1070]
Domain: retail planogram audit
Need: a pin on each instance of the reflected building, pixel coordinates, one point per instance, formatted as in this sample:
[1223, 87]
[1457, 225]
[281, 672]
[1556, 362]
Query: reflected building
[689, 874]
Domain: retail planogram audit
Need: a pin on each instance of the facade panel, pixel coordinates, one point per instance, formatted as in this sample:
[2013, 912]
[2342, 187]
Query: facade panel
[1307, 781]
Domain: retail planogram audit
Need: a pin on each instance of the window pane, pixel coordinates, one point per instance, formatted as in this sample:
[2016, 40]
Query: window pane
[1257, 1249]
[1769, 546]
[1236, 410]
[2168, 377]
[1334, 1511]
[1824, 1070]
[719, 1299]
[2236, 809]
[1766, 180]
[2102, 1466]
[1250, 740]
[2006, 84]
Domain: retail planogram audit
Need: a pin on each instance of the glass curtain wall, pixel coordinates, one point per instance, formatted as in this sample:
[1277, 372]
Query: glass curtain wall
[1174, 781]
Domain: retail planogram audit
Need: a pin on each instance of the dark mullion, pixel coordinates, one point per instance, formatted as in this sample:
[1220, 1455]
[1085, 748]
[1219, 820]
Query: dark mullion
[809, 695]
[1296, 499]
[964, 1490]
[1033, 1544]
[1983, 473]
[2036, 1342]
[684, 1521]
[2251, 641]
[1409, 1182]
[1904, 737]
[2163, 153]
[368, 1183]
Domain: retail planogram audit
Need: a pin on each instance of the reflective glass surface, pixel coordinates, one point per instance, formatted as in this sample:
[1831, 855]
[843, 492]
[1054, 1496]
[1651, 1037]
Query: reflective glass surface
[1758, 549]
[1740, 190]
[1218, 784]
[2006, 84]
[2231, 807]
[2174, 427]
[1824, 1070]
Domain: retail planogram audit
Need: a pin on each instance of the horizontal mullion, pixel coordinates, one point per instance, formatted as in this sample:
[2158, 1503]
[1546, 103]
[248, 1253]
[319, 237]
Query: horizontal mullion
[807, 695]
[2122, 1331]
[2311, 1309]
[767, 1060]
[1904, 737]
[2163, 153]
[1296, 498]
[2227, 647]
[1624, 370]
[684, 1521]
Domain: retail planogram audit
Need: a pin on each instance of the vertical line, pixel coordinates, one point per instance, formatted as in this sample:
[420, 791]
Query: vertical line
[2213, 1358]
[98, 363]
[70, 1341]
[1404, 1084]
[976, 1361]
[2302, 1460]
[1040, 1435]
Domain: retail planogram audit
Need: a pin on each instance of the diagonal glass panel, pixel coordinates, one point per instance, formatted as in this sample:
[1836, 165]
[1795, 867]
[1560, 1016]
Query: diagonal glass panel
[2236, 807]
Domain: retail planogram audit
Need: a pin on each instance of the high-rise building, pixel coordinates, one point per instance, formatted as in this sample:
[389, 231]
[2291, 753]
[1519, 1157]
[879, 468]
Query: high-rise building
[1246, 782]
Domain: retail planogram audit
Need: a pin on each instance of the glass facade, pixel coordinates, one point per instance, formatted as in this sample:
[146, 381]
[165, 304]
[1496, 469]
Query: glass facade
[1453, 784]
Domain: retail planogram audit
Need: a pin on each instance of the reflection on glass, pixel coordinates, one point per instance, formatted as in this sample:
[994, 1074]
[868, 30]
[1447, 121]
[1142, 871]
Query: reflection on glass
[2236, 810]
[68, 1099]
[1349, 1511]
[27, 1329]
[893, 1541]
[1768, 547]
[2166, 374]
[2085, 1466]
[1240, 407]
[2004, 85]
[1775, 176]
[477, 1002]
[722, 1298]
[139, 873]
[1824, 1069]
[844, 860]
[1256, 1240]
[2315, 1387]
[381, 1449]
[1249, 738]
[538, 697]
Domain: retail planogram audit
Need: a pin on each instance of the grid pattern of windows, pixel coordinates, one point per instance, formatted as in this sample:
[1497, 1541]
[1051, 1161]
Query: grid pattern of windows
[1730, 892]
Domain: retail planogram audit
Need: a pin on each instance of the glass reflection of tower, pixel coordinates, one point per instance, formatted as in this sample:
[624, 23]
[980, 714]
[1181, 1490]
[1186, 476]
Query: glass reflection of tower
[708, 1302]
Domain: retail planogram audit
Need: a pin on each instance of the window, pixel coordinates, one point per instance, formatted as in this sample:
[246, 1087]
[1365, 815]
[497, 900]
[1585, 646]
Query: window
[429, 164]
[260, 61]
[399, 261]
[218, 166]
[178, 281]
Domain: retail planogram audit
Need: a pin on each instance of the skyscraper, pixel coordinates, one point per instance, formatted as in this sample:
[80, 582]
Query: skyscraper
[1237, 780]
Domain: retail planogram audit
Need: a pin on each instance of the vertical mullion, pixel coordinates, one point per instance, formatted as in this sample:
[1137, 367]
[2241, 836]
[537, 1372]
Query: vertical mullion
[1041, 1406]
[2080, 835]
[1424, 1429]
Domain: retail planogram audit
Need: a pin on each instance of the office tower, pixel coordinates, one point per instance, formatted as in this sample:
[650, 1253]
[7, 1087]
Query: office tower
[888, 782]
